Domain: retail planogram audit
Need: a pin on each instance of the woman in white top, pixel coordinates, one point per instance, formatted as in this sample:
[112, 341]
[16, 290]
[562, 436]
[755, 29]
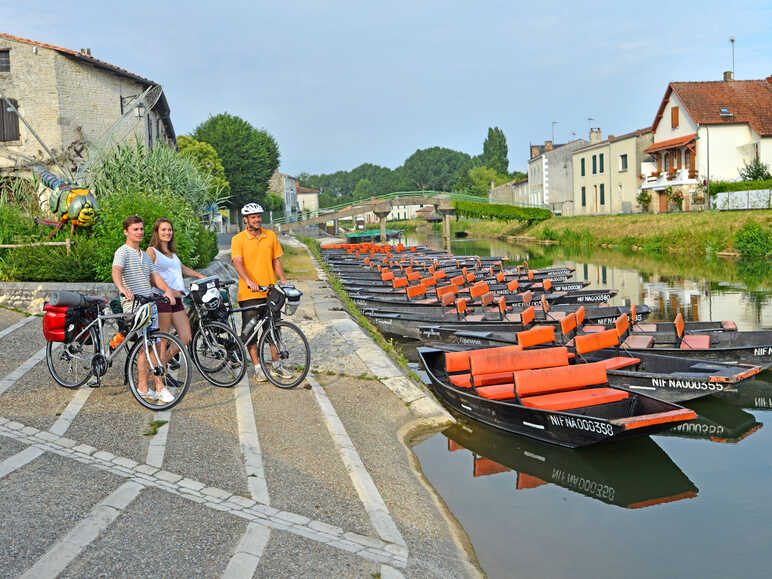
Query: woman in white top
[163, 252]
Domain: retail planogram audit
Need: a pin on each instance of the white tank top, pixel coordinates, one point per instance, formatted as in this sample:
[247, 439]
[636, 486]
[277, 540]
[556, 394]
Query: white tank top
[170, 269]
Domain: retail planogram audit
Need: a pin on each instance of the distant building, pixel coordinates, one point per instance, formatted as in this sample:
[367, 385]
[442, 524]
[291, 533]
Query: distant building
[550, 176]
[308, 199]
[511, 193]
[70, 99]
[606, 173]
[286, 187]
[707, 131]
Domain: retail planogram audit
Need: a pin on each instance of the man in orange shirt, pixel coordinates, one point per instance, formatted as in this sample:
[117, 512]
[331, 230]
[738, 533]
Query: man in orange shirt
[255, 253]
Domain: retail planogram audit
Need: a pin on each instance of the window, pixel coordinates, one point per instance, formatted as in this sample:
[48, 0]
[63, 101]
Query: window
[594, 164]
[603, 274]
[5, 61]
[667, 163]
[674, 117]
[581, 163]
[584, 197]
[623, 162]
[600, 163]
[602, 194]
[9, 123]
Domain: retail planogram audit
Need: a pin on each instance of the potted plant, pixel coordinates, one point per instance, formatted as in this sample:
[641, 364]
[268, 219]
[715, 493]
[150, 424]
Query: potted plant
[644, 199]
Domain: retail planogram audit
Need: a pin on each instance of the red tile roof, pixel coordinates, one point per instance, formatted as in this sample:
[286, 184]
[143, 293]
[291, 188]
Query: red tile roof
[748, 101]
[302, 189]
[81, 56]
[670, 143]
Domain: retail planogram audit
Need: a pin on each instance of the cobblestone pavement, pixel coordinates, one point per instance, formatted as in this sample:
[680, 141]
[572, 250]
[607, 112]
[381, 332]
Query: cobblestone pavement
[240, 482]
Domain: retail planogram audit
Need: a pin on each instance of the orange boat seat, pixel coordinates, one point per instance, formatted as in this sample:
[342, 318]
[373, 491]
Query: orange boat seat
[695, 342]
[575, 399]
[638, 342]
[620, 362]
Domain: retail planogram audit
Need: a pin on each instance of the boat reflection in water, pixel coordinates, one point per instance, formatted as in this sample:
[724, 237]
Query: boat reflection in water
[631, 474]
[718, 421]
[754, 394]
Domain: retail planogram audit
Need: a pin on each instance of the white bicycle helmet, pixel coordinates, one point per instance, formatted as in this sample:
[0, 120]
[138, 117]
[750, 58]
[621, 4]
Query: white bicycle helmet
[251, 209]
[143, 316]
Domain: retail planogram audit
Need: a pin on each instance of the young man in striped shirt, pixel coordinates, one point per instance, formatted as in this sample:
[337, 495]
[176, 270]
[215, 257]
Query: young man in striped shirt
[133, 271]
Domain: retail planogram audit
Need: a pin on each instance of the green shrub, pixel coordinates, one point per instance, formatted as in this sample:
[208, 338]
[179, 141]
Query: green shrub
[753, 240]
[16, 226]
[150, 206]
[723, 186]
[47, 263]
[529, 215]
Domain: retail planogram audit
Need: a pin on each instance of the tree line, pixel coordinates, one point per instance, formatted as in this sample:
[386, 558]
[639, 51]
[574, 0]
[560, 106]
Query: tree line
[431, 169]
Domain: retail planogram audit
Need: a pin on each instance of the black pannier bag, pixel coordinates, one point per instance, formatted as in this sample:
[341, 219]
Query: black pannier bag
[275, 299]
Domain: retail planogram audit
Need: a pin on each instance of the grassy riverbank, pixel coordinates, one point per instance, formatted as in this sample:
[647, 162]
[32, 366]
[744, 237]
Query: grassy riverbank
[702, 233]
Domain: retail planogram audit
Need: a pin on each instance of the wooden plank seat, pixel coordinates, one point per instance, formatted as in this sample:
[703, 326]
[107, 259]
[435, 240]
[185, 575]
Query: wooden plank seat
[645, 328]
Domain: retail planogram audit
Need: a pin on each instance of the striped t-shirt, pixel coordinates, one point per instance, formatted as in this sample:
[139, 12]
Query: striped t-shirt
[136, 268]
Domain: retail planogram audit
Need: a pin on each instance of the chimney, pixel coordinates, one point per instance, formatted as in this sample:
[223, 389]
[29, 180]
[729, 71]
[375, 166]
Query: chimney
[727, 75]
[595, 135]
[88, 51]
[547, 146]
[611, 138]
[534, 151]
[769, 79]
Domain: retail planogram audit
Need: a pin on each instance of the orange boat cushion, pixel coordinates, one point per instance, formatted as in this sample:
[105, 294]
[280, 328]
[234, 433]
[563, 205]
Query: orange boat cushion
[413, 275]
[580, 315]
[592, 342]
[446, 289]
[416, 290]
[620, 362]
[679, 325]
[595, 329]
[558, 379]
[528, 316]
[568, 324]
[399, 282]
[575, 399]
[498, 392]
[479, 289]
[622, 324]
[486, 299]
[513, 358]
[536, 336]
[638, 342]
[695, 342]
[513, 285]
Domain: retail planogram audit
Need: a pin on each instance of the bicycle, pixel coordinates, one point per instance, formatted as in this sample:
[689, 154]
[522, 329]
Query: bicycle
[214, 347]
[84, 352]
[282, 348]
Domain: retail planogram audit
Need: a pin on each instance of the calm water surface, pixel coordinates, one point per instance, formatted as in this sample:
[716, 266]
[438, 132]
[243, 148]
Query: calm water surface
[695, 501]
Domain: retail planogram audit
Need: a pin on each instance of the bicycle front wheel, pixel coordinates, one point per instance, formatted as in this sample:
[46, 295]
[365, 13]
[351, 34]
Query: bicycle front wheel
[218, 354]
[284, 354]
[173, 376]
[70, 364]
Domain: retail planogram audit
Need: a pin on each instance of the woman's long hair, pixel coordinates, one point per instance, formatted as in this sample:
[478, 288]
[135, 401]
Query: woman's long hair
[155, 240]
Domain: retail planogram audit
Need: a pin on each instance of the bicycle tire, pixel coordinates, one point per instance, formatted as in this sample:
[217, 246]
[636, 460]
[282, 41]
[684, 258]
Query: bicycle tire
[69, 354]
[292, 338]
[182, 376]
[225, 365]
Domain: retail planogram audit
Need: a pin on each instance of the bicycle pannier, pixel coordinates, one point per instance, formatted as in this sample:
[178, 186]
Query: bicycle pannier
[275, 300]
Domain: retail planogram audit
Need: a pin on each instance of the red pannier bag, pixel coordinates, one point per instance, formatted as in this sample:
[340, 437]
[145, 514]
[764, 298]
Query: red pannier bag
[54, 321]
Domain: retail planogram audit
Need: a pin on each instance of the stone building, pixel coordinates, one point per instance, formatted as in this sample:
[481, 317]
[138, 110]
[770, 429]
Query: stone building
[71, 99]
[286, 187]
[550, 176]
[511, 193]
[308, 199]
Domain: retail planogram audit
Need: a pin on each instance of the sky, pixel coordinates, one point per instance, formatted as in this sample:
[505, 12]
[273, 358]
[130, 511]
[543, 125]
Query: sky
[341, 83]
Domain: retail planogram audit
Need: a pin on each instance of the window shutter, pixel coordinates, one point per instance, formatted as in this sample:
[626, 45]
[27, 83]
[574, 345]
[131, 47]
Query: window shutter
[9, 122]
[674, 117]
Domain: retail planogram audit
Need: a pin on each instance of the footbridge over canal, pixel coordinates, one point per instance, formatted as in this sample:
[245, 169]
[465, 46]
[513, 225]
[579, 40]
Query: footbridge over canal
[382, 206]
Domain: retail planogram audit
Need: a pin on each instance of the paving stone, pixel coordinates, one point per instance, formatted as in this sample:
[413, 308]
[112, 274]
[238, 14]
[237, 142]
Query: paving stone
[146, 469]
[292, 518]
[264, 510]
[103, 455]
[48, 436]
[125, 462]
[85, 449]
[30, 430]
[167, 476]
[216, 493]
[325, 528]
[191, 484]
[241, 501]
[14, 425]
[363, 540]
[66, 442]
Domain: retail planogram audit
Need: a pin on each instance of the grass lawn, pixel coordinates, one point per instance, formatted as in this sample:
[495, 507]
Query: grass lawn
[297, 265]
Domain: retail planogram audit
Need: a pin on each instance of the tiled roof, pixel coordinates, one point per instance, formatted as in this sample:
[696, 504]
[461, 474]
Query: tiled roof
[614, 138]
[302, 189]
[748, 101]
[670, 143]
[81, 56]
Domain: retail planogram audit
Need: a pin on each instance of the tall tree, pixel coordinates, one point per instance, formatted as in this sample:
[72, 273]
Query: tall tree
[495, 151]
[435, 168]
[207, 161]
[249, 156]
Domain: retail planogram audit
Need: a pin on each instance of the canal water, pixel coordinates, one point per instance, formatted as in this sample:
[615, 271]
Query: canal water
[695, 501]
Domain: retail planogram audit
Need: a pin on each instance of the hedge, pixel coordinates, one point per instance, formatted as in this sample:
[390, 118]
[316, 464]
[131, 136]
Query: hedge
[503, 212]
[724, 186]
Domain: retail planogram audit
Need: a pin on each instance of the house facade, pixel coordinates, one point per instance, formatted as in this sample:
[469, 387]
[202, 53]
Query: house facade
[706, 131]
[550, 176]
[286, 187]
[606, 173]
[513, 193]
[308, 199]
[70, 99]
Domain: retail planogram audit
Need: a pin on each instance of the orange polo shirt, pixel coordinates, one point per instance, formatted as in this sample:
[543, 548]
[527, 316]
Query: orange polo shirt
[258, 254]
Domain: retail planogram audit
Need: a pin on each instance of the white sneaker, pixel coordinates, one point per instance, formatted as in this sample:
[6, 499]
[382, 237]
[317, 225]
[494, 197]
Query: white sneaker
[260, 375]
[164, 396]
[150, 394]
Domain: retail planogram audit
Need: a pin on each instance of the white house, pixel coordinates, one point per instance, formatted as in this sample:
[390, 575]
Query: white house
[707, 131]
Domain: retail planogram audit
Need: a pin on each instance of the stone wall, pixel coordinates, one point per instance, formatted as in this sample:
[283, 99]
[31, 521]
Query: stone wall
[30, 296]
